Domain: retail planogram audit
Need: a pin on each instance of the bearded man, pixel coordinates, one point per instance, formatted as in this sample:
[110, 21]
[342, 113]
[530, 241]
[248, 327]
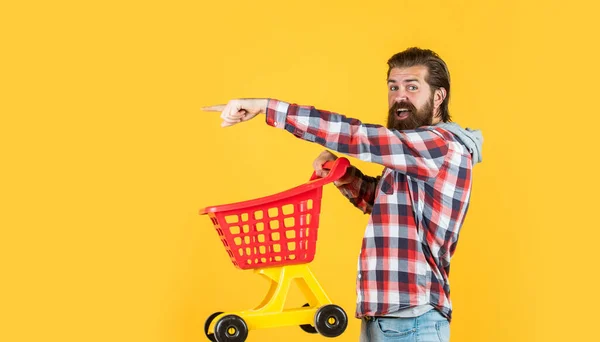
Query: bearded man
[417, 205]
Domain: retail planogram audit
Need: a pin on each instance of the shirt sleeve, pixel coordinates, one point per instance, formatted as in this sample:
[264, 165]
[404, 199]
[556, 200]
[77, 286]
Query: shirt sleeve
[419, 153]
[360, 190]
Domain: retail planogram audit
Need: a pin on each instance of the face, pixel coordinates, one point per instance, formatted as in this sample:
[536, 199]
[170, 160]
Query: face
[410, 99]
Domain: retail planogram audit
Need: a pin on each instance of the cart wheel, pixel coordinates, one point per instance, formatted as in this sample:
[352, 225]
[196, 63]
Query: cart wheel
[207, 324]
[231, 328]
[307, 327]
[331, 320]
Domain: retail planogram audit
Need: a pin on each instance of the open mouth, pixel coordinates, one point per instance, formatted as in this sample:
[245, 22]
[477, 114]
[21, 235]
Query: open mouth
[402, 113]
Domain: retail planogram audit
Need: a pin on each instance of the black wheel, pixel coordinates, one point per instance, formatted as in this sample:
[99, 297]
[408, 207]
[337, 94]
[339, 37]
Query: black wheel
[307, 327]
[207, 324]
[331, 320]
[231, 328]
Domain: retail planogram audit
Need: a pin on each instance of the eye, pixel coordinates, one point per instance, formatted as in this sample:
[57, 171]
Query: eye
[394, 88]
[412, 87]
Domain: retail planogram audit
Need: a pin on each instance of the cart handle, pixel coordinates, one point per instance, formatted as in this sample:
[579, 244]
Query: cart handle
[337, 170]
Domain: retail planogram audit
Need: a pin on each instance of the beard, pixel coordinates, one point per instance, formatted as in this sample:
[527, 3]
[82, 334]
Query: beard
[416, 118]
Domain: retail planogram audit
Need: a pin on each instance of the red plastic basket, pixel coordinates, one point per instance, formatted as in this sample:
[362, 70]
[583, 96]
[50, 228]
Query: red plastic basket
[276, 230]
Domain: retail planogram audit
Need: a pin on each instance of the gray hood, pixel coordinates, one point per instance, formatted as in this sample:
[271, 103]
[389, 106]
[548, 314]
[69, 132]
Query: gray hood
[472, 139]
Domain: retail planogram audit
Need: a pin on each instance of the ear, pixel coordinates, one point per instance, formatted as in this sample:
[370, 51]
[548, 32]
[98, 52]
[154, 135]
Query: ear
[439, 95]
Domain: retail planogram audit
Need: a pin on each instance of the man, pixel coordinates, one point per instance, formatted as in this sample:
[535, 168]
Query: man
[417, 205]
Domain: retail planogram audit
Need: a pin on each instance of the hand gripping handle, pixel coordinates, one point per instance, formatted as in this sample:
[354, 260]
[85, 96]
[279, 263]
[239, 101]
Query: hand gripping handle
[337, 169]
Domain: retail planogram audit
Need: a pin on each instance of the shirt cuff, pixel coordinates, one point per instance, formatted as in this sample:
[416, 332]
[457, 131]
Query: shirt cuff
[277, 113]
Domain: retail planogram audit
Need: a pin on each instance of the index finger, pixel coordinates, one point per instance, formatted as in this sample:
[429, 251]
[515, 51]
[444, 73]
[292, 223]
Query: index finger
[317, 167]
[215, 108]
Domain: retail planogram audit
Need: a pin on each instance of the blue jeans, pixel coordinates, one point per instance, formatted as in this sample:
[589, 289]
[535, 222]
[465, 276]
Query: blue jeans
[429, 327]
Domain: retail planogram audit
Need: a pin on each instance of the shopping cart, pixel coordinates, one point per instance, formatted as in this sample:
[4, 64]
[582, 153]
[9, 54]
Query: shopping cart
[276, 236]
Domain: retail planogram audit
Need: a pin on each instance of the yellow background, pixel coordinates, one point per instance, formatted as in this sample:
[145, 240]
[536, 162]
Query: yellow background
[106, 158]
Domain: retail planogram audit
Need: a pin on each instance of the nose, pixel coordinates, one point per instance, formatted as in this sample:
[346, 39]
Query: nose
[399, 95]
[400, 98]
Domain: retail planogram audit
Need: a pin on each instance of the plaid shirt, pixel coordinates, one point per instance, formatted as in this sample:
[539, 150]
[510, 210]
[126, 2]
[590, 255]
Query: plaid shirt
[417, 205]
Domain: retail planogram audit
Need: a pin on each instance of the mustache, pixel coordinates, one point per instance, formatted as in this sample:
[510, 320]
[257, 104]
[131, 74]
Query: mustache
[402, 105]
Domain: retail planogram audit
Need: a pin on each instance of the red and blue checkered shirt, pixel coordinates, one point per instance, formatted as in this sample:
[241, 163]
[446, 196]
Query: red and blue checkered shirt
[417, 204]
